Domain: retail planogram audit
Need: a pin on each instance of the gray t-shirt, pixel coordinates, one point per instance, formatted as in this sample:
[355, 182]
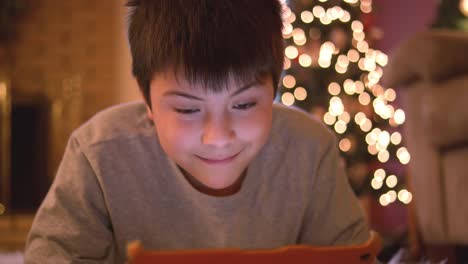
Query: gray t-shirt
[115, 184]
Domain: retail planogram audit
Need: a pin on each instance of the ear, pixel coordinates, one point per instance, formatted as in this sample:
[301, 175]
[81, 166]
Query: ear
[149, 113]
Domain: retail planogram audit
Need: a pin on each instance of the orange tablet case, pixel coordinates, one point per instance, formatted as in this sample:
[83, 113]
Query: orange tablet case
[296, 254]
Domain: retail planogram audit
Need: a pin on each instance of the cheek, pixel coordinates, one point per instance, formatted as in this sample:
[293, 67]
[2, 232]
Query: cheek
[256, 128]
[175, 137]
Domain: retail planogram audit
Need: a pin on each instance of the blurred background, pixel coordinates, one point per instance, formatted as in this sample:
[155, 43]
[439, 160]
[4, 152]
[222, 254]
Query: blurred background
[351, 63]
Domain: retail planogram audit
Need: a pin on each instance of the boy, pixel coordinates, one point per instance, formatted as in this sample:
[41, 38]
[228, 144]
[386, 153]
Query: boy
[207, 161]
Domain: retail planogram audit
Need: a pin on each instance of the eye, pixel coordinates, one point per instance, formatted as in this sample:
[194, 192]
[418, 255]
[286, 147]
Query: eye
[186, 111]
[245, 106]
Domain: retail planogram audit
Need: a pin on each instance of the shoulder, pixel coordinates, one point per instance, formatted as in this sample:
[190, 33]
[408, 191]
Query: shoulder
[298, 127]
[123, 121]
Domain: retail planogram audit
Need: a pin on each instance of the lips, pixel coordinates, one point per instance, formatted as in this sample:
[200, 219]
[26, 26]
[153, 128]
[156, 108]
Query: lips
[218, 160]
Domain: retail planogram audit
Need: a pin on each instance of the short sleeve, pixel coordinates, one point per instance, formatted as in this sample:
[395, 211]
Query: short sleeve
[72, 224]
[333, 216]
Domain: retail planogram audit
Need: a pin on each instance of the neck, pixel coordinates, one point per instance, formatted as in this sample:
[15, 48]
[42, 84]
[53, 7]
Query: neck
[227, 191]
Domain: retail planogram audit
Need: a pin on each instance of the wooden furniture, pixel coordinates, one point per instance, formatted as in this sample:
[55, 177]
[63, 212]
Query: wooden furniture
[5, 130]
[431, 71]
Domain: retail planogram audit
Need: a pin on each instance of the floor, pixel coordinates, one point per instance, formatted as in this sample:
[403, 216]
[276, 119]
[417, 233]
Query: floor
[14, 230]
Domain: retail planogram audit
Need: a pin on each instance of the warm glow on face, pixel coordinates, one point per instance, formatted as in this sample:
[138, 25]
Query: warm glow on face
[212, 136]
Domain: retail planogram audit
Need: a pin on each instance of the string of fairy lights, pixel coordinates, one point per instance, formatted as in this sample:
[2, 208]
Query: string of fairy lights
[367, 89]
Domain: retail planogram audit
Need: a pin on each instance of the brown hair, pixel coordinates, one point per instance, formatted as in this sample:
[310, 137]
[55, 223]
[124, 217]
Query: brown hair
[207, 40]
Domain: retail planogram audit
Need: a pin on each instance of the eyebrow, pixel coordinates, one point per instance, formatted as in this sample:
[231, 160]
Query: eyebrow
[190, 96]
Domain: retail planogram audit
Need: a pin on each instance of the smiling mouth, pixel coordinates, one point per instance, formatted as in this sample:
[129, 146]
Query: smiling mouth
[218, 160]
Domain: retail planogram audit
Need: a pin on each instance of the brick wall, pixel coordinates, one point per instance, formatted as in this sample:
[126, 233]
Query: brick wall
[59, 40]
[74, 53]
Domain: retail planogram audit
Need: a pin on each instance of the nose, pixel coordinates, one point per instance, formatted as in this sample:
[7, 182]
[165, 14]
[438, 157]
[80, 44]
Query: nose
[218, 131]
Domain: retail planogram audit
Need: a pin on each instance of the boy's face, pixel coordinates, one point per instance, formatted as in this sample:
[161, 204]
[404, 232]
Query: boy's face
[211, 135]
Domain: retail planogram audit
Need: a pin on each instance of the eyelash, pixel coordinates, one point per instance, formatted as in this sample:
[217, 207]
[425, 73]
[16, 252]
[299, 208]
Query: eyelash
[186, 111]
[243, 106]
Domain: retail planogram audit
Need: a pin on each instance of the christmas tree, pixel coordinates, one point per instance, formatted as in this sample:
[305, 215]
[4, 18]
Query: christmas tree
[332, 72]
